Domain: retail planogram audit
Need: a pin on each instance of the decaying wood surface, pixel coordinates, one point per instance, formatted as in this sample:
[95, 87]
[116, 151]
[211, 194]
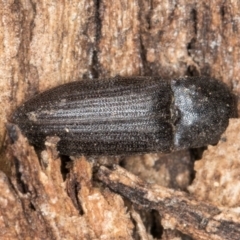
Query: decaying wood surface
[47, 43]
[179, 211]
[49, 201]
[39, 203]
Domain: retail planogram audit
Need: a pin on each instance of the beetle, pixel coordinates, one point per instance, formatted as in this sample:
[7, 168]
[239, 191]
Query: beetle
[126, 115]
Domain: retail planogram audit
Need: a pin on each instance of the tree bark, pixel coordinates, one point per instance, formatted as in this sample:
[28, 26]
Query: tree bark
[47, 43]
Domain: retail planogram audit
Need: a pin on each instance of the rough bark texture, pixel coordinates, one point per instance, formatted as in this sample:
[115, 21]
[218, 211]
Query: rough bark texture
[197, 219]
[47, 43]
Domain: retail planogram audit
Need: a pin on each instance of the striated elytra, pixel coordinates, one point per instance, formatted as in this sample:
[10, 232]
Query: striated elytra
[128, 115]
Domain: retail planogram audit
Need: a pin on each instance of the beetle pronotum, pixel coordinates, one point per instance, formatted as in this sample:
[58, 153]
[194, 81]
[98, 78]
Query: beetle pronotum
[128, 115]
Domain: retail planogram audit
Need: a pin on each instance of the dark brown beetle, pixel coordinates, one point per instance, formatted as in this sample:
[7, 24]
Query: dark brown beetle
[128, 115]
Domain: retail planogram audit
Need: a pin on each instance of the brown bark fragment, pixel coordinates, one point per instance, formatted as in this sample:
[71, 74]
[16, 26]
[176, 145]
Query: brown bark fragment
[103, 210]
[119, 45]
[217, 173]
[165, 39]
[198, 219]
[39, 195]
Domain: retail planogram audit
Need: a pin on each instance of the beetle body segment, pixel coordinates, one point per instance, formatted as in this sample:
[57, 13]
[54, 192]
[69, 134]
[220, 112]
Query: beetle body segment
[128, 115]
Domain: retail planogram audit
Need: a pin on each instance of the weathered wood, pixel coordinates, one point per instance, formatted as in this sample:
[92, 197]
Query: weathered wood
[47, 43]
[197, 219]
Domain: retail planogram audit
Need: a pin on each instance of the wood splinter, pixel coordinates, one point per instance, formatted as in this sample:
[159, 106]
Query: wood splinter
[177, 209]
